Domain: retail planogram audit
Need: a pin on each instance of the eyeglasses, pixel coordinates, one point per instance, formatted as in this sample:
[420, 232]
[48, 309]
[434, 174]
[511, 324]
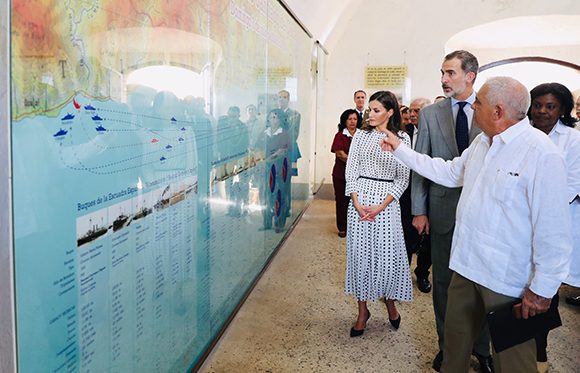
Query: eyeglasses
[415, 110]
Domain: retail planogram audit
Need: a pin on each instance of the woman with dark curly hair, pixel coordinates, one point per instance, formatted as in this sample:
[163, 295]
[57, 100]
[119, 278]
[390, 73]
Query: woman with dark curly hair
[549, 112]
[376, 265]
[349, 124]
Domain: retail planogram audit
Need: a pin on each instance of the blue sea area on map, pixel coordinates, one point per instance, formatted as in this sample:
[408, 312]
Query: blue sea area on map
[108, 230]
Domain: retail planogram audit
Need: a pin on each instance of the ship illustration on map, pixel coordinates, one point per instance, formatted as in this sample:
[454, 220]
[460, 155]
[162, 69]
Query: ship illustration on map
[143, 212]
[100, 129]
[162, 159]
[60, 133]
[191, 188]
[121, 222]
[173, 120]
[177, 197]
[163, 202]
[89, 107]
[96, 117]
[91, 235]
[168, 147]
[68, 116]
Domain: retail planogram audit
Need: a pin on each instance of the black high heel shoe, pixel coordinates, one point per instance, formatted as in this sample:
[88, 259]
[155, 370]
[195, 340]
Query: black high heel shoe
[395, 323]
[357, 333]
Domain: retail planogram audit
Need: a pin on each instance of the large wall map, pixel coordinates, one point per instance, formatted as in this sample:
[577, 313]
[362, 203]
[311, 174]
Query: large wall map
[141, 217]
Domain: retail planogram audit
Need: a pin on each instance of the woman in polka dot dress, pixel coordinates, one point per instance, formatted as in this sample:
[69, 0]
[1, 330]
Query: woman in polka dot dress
[376, 265]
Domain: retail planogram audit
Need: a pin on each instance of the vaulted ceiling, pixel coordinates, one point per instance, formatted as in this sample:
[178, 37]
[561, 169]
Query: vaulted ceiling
[324, 18]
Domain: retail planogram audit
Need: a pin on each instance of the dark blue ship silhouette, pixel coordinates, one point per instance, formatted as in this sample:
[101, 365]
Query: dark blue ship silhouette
[162, 159]
[68, 116]
[89, 107]
[96, 117]
[183, 128]
[100, 129]
[173, 119]
[168, 147]
[60, 133]
[180, 139]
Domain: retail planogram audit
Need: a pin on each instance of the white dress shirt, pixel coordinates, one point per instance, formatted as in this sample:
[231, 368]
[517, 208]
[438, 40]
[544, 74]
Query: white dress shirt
[512, 228]
[415, 134]
[346, 132]
[568, 141]
[269, 133]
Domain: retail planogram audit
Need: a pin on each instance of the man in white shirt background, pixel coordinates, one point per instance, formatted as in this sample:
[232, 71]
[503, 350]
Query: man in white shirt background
[513, 234]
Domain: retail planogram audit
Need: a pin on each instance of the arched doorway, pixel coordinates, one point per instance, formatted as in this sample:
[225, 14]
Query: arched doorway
[532, 49]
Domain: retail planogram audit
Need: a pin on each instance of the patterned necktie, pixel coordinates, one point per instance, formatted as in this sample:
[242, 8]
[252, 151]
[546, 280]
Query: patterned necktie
[461, 128]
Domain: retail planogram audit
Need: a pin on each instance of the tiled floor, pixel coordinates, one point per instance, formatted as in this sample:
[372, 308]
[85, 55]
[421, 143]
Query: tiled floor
[298, 318]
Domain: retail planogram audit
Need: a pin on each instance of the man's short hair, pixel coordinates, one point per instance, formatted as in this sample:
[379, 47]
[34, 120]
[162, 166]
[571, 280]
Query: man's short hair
[360, 90]
[422, 101]
[513, 94]
[468, 61]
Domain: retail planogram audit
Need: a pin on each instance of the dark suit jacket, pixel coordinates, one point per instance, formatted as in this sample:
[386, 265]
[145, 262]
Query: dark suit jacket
[436, 138]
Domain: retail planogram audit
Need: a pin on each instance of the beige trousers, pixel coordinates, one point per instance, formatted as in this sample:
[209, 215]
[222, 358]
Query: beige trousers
[467, 306]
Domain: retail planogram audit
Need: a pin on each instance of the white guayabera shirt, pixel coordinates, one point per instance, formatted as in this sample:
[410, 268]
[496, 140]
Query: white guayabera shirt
[512, 229]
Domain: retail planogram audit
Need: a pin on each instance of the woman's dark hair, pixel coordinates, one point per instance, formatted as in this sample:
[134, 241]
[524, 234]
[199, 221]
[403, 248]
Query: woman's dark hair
[562, 94]
[389, 101]
[282, 117]
[344, 117]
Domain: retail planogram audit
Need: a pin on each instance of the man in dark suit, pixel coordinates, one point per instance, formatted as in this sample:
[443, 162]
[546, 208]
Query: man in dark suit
[413, 239]
[360, 100]
[446, 129]
[292, 126]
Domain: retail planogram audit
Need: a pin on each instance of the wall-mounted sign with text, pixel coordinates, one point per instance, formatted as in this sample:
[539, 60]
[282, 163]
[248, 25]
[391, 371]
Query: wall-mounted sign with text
[385, 76]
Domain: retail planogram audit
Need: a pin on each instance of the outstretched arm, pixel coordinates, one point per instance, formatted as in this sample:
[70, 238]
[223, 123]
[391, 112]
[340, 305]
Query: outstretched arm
[446, 173]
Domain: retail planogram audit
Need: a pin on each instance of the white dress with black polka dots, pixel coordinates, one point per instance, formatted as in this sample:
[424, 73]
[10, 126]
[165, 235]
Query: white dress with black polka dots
[376, 264]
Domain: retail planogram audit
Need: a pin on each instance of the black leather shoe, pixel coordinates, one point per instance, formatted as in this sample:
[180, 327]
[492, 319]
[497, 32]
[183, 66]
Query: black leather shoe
[485, 363]
[396, 323]
[438, 361]
[423, 284]
[574, 301]
[357, 333]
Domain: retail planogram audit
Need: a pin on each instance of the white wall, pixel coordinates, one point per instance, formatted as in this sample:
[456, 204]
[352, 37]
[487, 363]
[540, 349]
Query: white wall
[413, 32]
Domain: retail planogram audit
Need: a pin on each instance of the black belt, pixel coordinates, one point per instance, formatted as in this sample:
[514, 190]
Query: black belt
[375, 179]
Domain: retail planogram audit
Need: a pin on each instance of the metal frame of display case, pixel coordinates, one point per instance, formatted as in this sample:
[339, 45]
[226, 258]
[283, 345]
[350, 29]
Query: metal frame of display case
[7, 326]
